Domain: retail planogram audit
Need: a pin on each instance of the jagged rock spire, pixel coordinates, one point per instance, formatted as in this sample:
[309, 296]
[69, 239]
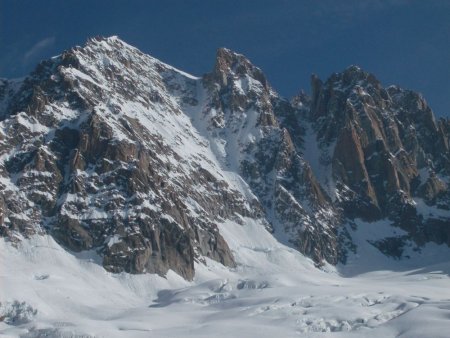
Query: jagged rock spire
[229, 64]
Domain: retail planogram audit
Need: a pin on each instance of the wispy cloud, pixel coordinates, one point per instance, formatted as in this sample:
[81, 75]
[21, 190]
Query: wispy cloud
[38, 48]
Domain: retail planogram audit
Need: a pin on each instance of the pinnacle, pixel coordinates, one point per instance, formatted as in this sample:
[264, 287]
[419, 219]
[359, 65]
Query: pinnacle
[227, 59]
[229, 62]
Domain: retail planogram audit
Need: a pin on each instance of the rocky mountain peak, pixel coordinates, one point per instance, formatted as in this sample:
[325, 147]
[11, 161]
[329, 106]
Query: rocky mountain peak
[230, 65]
[107, 160]
[353, 76]
[344, 97]
[109, 149]
[383, 154]
[239, 96]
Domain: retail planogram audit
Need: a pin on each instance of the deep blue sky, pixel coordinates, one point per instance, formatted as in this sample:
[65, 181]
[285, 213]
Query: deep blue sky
[405, 42]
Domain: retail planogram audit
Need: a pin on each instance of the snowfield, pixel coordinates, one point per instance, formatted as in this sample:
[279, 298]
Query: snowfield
[274, 292]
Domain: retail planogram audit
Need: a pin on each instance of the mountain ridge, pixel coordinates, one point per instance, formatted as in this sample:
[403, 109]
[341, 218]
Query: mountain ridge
[110, 149]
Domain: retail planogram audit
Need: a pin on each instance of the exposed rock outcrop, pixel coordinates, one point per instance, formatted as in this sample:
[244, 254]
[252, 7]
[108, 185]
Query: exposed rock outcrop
[389, 151]
[108, 149]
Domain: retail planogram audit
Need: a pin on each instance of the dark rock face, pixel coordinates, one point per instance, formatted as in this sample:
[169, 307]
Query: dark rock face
[97, 177]
[108, 149]
[389, 154]
[249, 118]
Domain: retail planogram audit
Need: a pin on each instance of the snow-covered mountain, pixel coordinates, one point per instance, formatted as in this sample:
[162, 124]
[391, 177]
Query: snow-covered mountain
[108, 153]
